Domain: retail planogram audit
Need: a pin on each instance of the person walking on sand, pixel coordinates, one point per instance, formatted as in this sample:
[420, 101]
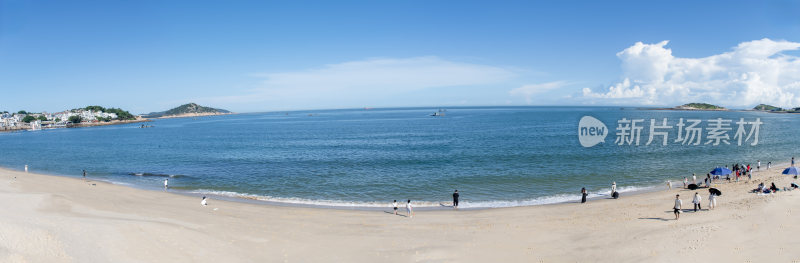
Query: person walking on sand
[669, 185]
[84, 175]
[204, 202]
[394, 204]
[685, 182]
[677, 208]
[583, 195]
[613, 187]
[758, 165]
[694, 178]
[166, 184]
[455, 199]
[712, 200]
[696, 201]
[769, 165]
[409, 209]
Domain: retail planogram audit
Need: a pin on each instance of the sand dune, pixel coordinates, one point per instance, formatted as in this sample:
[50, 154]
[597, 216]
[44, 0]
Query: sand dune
[59, 219]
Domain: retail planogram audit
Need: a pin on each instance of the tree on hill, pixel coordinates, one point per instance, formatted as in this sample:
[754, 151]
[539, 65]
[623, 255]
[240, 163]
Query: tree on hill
[75, 119]
[28, 119]
[22, 112]
[95, 108]
[42, 118]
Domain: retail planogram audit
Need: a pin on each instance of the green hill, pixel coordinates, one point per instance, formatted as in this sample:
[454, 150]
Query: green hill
[187, 109]
[765, 107]
[699, 106]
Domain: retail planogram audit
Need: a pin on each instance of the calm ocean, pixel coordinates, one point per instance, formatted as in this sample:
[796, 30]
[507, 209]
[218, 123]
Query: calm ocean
[494, 156]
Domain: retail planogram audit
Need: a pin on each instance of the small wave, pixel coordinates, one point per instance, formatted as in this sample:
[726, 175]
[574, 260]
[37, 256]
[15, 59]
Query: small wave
[553, 199]
[158, 175]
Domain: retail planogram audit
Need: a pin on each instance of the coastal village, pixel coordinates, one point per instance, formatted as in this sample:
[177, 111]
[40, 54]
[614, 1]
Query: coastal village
[94, 116]
[35, 121]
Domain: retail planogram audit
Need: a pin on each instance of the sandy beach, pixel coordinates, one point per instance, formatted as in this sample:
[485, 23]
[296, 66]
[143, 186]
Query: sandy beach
[60, 219]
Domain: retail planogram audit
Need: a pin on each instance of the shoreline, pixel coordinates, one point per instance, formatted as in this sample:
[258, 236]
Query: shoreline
[361, 206]
[64, 219]
[83, 125]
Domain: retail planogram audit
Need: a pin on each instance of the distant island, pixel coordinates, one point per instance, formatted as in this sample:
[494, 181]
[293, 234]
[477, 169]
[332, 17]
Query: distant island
[187, 110]
[697, 107]
[770, 108]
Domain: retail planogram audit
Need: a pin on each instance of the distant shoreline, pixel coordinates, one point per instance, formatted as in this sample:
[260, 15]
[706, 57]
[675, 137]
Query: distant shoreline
[187, 115]
[83, 125]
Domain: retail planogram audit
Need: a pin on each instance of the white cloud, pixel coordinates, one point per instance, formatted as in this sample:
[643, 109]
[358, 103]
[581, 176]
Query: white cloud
[528, 91]
[359, 83]
[753, 72]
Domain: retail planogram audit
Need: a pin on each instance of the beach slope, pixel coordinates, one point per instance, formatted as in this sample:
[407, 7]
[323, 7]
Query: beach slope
[60, 219]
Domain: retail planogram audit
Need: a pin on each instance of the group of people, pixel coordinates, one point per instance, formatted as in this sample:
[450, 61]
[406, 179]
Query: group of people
[410, 208]
[696, 201]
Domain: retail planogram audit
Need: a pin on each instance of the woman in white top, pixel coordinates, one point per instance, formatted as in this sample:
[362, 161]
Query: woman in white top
[409, 209]
[712, 200]
[394, 204]
[613, 187]
[696, 201]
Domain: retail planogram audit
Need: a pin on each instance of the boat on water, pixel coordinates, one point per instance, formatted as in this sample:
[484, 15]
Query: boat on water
[439, 113]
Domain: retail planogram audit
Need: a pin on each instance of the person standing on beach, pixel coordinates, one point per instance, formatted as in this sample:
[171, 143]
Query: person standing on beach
[409, 209]
[669, 185]
[696, 201]
[613, 187]
[583, 195]
[166, 184]
[712, 200]
[694, 178]
[677, 208]
[769, 165]
[758, 165]
[204, 202]
[455, 199]
[84, 175]
[394, 204]
[685, 182]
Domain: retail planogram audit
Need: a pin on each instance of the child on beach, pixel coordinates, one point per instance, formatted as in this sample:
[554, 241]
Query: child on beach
[669, 185]
[677, 207]
[204, 202]
[696, 201]
[394, 204]
[769, 165]
[409, 209]
[166, 184]
[685, 182]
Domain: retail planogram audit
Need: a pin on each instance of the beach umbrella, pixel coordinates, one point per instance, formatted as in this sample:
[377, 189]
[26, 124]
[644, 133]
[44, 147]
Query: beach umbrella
[791, 171]
[715, 191]
[720, 171]
[692, 187]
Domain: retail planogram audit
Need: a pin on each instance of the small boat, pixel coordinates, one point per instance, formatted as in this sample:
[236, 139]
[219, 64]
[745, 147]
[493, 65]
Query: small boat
[439, 113]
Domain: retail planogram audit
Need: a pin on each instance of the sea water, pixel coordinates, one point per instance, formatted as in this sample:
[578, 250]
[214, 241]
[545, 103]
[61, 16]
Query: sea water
[494, 156]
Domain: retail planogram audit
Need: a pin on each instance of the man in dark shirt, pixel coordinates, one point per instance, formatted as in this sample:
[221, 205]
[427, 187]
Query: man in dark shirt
[455, 199]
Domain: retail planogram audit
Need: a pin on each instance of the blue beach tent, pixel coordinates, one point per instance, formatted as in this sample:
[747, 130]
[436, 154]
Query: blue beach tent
[721, 171]
[791, 171]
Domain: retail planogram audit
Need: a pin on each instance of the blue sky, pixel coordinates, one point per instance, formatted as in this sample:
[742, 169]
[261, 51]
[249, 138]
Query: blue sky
[282, 55]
